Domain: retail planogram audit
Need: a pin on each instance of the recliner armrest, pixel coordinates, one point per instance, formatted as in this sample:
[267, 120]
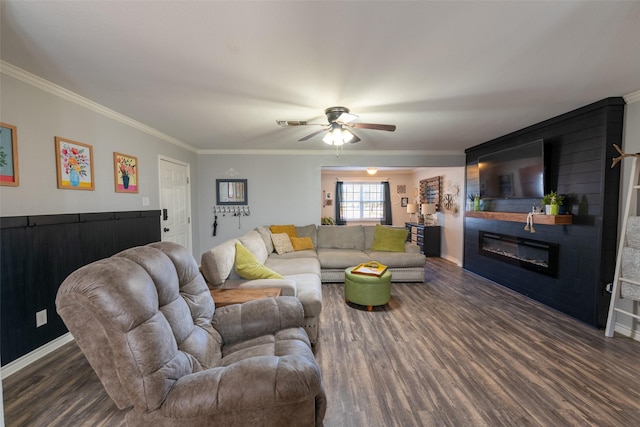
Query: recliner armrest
[256, 318]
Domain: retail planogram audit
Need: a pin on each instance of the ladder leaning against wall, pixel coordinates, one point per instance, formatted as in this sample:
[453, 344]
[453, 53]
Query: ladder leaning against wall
[626, 279]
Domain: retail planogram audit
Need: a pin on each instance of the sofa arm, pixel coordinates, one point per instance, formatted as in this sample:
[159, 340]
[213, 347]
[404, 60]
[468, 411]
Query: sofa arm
[412, 248]
[246, 385]
[256, 318]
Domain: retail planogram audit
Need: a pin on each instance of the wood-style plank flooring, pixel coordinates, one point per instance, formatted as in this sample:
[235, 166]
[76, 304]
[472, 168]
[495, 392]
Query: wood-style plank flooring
[455, 351]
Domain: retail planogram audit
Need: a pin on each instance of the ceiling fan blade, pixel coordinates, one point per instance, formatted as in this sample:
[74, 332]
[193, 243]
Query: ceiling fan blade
[312, 135]
[345, 118]
[286, 123]
[389, 128]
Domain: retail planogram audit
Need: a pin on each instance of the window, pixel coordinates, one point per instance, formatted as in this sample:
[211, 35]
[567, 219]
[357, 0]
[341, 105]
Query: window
[362, 201]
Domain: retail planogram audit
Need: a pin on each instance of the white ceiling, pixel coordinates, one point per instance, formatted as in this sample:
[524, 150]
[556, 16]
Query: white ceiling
[216, 75]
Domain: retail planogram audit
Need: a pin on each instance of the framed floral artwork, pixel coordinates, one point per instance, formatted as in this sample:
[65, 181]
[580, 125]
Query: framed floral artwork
[125, 170]
[8, 155]
[74, 165]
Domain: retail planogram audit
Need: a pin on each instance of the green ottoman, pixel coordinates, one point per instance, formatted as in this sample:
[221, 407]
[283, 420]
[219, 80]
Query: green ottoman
[367, 290]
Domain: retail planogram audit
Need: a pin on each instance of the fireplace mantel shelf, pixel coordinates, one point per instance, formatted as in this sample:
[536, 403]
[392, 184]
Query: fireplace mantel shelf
[521, 217]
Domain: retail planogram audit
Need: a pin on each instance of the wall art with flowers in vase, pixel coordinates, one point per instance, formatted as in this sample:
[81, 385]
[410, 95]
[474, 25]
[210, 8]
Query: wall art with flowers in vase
[125, 173]
[8, 155]
[74, 165]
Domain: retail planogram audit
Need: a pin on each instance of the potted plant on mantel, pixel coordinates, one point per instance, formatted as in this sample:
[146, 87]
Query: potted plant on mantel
[551, 203]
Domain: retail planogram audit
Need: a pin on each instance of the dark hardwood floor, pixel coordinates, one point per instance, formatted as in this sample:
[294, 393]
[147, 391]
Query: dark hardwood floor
[455, 351]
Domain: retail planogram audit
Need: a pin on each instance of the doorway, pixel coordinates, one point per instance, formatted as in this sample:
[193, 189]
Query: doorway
[175, 204]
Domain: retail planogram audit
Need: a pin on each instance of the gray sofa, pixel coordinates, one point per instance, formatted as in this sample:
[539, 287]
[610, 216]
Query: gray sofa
[335, 249]
[146, 322]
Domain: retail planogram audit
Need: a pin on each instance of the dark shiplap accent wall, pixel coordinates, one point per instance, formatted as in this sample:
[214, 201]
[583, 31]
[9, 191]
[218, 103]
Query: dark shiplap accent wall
[579, 150]
[38, 252]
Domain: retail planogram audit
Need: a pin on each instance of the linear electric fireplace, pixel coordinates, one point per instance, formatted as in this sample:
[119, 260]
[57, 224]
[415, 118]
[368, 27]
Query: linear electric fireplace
[531, 254]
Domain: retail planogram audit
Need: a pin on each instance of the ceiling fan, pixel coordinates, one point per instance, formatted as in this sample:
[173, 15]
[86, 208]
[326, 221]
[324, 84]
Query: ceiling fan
[338, 131]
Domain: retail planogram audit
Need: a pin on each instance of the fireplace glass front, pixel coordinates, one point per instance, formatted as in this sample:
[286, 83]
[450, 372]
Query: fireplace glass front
[530, 254]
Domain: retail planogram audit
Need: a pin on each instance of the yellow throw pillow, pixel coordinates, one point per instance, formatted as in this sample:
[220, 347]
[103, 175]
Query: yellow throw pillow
[290, 229]
[301, 243]
[389, 239]
[282, 243]
[248, 267]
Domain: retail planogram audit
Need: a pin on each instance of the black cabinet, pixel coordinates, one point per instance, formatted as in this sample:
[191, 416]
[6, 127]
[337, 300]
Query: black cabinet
[427, 237]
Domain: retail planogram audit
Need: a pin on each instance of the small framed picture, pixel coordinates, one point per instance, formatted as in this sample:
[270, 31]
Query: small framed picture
[401, 189]
[125, 173]
[9, 155]
[74, 165]
[404, 202]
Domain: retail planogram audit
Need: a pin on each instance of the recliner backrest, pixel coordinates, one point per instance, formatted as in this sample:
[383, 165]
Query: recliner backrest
[143, 320]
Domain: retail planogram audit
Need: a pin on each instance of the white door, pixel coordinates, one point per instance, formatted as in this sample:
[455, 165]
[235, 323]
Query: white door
[174, 202]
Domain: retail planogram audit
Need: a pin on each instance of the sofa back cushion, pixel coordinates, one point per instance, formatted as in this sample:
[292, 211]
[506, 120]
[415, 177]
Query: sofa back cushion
[142, 316]
[217, 263]
[341, 237]
[265, 233]
[253, 241]
[308, 231]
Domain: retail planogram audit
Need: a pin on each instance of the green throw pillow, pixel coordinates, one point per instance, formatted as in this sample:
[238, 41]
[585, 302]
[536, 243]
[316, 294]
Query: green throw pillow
[389, 239]
[248, 267]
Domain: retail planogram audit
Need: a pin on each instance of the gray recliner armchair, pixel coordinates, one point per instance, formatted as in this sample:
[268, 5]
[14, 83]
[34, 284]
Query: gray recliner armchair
[146, 322]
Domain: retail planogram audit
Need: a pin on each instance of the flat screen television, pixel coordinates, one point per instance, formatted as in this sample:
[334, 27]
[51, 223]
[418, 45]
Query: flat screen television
[513, 173]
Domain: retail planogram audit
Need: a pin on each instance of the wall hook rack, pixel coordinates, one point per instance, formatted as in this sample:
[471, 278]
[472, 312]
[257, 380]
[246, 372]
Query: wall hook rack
[234, 211]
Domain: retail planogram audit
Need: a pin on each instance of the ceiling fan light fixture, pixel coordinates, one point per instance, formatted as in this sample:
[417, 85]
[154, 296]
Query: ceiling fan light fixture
[328, 138]
[346, 135]
[372, 171]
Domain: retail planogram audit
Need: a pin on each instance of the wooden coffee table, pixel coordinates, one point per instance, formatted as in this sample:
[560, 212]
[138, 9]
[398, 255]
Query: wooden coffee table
[222, 297]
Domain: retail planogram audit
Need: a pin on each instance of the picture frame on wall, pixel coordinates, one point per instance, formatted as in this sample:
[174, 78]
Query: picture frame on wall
[231, 192]
[404, 202]
[74, 165]
[9, 155]
[125, 173]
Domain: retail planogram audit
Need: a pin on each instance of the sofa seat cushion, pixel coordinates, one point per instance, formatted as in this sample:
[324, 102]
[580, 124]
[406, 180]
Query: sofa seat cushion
[397, 259]
[288, 266]
[341, 258]
[340, 237]
[309, 293]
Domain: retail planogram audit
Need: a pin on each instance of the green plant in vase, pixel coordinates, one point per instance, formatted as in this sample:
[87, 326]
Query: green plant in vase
[327, 220]
[551, 201]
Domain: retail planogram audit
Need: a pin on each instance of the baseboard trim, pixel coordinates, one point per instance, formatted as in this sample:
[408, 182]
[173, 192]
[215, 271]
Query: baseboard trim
[627, 332]
[454, 260]
[24, 361]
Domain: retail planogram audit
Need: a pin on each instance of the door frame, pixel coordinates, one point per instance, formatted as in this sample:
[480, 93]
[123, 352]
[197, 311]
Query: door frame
[162, 158]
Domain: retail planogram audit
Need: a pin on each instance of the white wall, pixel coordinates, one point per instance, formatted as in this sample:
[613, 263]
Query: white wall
[284, 187]
[631, 144]
[399, 214]
[40, 114]
[452, 224]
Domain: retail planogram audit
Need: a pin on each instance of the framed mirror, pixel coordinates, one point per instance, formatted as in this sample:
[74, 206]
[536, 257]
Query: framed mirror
[231, 192]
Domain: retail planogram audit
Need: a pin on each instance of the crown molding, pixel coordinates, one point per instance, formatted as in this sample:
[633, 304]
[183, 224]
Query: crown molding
[332, 152]
[632, 97]
[33, 80]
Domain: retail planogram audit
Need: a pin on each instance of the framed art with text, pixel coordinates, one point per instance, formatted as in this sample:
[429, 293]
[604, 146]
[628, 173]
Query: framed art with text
[74, 165]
